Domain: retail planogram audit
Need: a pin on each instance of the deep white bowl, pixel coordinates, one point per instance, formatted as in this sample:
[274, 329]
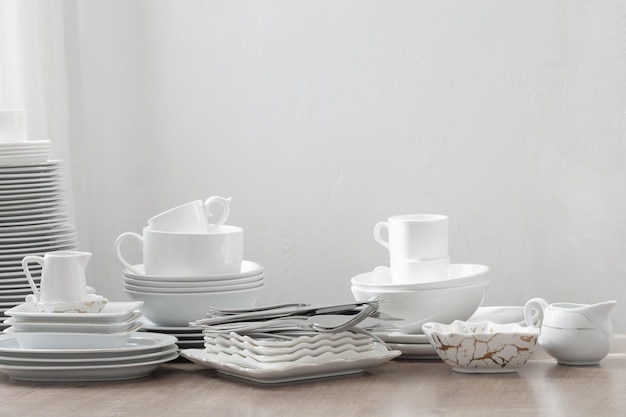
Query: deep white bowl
[415, 308]
[482, 347]
[458, 275]
[177, 310]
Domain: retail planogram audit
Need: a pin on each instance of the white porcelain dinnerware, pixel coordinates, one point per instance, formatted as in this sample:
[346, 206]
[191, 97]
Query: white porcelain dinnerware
[74, 327]
[195, 290]
[457, 275]
[63, 286]
[192, 217]
[247, 269]
[414, 236]
[73, 340]
[420, 306]
[113, 312]
[482, 347]
[178, 309]
[174, 282]
[572, 333]
[272, 360]
[186, 254]
[138, 357]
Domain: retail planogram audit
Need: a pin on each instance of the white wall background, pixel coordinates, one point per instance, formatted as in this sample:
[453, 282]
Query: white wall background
[321, 118]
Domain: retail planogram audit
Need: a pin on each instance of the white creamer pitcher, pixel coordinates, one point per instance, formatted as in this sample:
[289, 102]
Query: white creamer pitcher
[574, 334]
[63, 281]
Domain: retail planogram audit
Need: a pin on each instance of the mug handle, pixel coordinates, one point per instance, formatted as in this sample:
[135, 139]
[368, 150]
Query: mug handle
[25, 261]
[378, 237]
[222, 201]
[536, 303]
[118, 249]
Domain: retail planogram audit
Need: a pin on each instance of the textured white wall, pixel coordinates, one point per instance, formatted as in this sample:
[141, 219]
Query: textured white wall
[321, 118]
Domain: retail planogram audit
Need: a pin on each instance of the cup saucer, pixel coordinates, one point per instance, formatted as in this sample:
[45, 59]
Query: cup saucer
[248, 268]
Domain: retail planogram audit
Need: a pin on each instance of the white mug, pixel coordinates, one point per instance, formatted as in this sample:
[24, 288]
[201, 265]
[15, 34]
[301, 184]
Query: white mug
[412, 271]
[192, 217]
[414, 236]
[62, 278]
[12, 126]
[186, 254]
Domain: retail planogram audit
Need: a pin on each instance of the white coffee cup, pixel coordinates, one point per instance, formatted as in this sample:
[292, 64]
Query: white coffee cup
[12, 126]
[187, 254]
[192, 217]
[412, 271]
[414, 236]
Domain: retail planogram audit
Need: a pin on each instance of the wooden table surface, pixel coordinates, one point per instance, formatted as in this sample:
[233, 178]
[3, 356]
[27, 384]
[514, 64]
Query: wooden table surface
[398, 388]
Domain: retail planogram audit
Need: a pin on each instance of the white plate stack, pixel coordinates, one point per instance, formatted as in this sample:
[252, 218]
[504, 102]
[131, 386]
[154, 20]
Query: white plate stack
[81, 346]
[33, 208]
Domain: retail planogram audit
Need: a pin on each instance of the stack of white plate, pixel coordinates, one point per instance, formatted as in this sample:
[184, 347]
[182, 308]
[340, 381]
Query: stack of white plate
[188, 337]
[174, 301]
[271, 360]
[81, 346]
[26, 152]
[33, 220]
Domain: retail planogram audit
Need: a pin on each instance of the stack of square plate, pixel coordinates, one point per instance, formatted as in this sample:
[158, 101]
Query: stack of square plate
[25, 152]
[33, 220]
[81, 346]
[274, 360]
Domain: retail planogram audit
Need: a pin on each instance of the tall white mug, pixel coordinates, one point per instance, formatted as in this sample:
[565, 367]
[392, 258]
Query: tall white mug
[414, 236]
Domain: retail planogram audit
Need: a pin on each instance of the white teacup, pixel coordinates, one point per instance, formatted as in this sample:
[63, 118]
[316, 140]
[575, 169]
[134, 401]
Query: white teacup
[187, 254]
[192, 217]
[412, 271]
[12, 126]
[414, 236]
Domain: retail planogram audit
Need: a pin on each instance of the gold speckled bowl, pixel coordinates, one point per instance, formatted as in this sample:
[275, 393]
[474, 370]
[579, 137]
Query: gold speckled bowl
[483, 347]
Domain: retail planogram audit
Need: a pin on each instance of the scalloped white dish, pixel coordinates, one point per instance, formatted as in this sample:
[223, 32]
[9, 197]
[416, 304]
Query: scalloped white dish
[297, 372]
[296, 343]
[482, 347]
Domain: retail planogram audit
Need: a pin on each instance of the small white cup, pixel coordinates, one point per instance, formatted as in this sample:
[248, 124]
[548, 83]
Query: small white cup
[414, 236]
[187, 254]
[192, 217]
[12, 126]
[412, 271]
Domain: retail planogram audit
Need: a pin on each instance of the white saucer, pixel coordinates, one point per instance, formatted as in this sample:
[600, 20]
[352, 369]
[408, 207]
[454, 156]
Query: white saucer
[248, 268]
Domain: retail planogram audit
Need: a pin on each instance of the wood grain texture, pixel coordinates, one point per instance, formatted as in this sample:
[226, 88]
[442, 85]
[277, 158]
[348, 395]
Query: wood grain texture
[399, 388]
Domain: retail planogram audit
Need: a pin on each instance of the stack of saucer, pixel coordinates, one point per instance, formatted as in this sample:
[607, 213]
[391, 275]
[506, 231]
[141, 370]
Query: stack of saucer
[42, 346]
[33, 208]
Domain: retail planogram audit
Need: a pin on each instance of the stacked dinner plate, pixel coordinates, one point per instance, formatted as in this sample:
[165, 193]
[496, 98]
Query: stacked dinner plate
[26, 152]
[171, 302]
[33, 220]
[276, 360]
[81, 346]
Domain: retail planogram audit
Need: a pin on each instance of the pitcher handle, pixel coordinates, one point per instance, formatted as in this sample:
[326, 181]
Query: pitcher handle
[222, 201]
[25, 261]
[540, 304]
[118, 249]
[378, 237]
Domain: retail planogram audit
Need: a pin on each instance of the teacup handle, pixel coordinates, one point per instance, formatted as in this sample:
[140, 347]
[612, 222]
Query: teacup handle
[222, 201]
[540, 304]
[118, 249]
[25, 261]
[377, 234]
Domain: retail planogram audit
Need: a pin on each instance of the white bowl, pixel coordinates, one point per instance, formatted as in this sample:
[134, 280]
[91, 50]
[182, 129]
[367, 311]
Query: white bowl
[177, 310]
[415, 308]
[458, 275]
[483, 347]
